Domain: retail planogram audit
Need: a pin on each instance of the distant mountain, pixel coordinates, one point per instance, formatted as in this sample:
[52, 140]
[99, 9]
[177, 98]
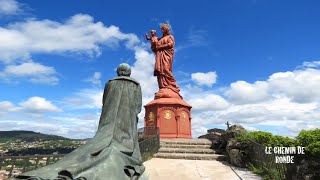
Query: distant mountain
[28, 136]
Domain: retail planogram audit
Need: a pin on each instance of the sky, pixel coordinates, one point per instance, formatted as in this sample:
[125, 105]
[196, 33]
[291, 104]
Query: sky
[250, 62]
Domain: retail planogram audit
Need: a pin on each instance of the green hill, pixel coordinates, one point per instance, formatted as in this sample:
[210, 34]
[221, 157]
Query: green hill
[28, 136]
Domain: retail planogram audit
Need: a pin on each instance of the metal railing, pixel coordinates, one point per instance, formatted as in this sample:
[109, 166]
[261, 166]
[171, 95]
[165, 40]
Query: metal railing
[149, 144]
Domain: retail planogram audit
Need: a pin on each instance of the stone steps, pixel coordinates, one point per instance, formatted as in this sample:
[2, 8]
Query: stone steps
[190, 156]
[192, 149]
[185, 146]
[186, 141]
[184, 150]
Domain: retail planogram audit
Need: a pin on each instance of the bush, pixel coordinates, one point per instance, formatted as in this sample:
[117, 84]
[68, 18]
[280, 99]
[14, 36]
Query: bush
[311, 140]
[266, 139]
[314, 148]
[283, 141]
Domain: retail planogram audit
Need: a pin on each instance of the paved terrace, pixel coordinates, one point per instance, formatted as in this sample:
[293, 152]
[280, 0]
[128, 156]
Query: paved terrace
[181, 169]
[192, 159]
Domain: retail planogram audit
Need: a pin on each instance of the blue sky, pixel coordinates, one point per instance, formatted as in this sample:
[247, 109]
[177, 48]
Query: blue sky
[252, 62]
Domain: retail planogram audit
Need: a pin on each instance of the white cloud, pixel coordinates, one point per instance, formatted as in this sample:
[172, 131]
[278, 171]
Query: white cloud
[6, 106]
[208, 102]
[207, 79]
[249, 128]
[84, 129]
[34, 106]
[312, 64]
[38, 105]
[34, 72]
[300, 85]
[85, 99]
[198, 131]
[79, 34]
[279, 112]
[142, 70]
[244, 114]
[51, 80]
[242, 92]
[9, 7]
[29, 68]
[95, 79]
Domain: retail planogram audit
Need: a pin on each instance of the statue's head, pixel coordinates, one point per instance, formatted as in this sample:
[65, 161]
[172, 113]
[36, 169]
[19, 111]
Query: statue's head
[153, 32]
[124, 70]
[165, 28]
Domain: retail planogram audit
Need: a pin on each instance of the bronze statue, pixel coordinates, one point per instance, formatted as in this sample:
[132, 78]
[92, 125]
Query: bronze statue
[164, 51]
[113, 153]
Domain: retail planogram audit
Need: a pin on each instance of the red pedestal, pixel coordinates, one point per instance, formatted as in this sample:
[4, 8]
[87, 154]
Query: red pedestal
[171, 115]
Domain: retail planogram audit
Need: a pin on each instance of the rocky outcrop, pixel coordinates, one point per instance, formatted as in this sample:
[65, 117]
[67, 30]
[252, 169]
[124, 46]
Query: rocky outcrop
[225, 141]
[214, 135]
[232, 132]
[237, 152]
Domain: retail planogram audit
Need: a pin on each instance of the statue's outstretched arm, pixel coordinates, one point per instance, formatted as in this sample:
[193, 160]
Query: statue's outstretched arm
[147, 37]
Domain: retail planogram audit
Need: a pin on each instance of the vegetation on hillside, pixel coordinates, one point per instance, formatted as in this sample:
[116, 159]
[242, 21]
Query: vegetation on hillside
[28, 136]
[30, 143]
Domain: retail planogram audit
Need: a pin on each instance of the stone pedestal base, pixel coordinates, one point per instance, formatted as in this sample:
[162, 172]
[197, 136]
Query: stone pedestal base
[171, 115]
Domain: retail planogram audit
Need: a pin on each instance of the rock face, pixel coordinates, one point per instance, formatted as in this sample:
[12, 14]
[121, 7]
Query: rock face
[214, 135]
[236, 157]
[237, 151]
[306, 167]
[232, 132]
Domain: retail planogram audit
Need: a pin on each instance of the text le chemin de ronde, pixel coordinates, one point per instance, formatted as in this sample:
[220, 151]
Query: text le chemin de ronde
[283, 154]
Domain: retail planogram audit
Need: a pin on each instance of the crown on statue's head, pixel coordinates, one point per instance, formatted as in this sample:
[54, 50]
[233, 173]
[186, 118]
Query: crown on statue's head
[165, 26]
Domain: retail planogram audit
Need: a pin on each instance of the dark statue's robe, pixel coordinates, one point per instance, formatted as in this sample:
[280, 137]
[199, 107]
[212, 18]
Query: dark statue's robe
[113, 153]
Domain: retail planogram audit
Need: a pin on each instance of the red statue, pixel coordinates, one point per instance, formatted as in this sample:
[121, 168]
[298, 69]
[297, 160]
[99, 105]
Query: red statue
[164, 50]
[167, 111]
